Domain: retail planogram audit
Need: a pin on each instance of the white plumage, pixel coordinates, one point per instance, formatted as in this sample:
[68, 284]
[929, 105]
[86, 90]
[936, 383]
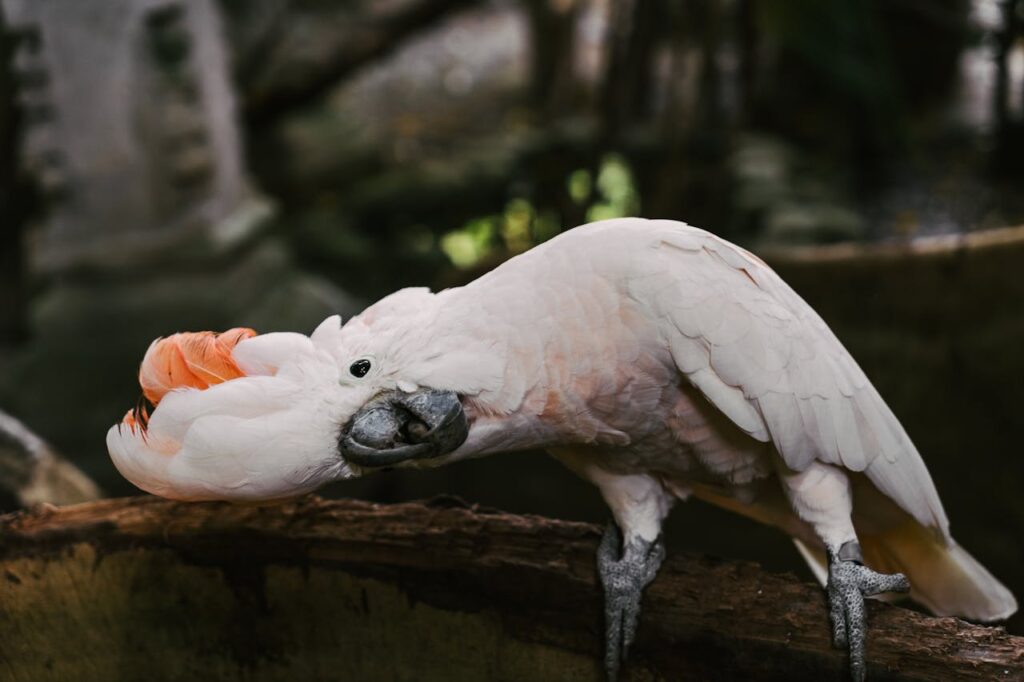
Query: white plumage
[269, 435]
[653, 358]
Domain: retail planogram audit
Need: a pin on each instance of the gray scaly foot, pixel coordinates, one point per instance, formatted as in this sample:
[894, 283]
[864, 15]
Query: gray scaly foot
[849, 581]
[624, 579]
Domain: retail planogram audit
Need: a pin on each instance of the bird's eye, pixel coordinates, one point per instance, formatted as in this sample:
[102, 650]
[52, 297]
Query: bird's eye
[360, 368]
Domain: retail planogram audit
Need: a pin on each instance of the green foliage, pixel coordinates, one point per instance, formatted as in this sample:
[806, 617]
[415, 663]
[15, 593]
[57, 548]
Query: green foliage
[468, 245]
[523, 225]
[580, 185]
[546, 224]
[617, 188]
[520, 227]
[515, 228]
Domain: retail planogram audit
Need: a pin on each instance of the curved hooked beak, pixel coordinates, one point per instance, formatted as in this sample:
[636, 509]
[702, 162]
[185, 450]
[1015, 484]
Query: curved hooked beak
[395, 427]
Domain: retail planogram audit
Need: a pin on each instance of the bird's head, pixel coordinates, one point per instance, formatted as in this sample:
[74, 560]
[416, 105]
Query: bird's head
[239, 416]
[409, 396]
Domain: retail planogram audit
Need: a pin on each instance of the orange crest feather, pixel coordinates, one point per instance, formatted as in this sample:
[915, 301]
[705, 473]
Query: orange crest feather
[190, 359]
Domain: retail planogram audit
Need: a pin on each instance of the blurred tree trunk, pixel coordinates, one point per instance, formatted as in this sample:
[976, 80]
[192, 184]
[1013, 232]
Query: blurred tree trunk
[1009, 149]
[635, 28]
[747, 44]
[686, 173]
[289, 55]
[553, 87]
[13, 205]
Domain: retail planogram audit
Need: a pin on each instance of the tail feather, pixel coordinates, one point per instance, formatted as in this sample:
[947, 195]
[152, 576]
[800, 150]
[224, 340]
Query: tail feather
[944, 577]
[815, 559]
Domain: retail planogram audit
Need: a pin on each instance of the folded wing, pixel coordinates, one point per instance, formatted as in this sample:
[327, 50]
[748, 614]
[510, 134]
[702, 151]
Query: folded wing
[768, 361]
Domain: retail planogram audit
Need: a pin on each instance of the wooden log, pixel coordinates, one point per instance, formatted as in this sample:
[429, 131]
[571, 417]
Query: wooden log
[144, 588]
[31, 472]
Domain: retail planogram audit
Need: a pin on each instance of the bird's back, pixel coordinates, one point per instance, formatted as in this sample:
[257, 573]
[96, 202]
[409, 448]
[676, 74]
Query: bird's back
[674, 348]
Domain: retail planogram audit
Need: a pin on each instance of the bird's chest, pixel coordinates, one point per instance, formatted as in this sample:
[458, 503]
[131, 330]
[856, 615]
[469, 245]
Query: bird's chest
[604, 382]
[654, 422]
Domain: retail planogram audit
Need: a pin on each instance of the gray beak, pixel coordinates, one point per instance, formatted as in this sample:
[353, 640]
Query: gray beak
[395, 427]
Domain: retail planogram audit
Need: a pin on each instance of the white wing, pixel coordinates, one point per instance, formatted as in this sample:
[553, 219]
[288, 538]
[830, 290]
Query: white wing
[768, 361]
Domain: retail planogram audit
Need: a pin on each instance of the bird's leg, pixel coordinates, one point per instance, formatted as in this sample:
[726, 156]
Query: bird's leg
[820, 495]
[626, 568]
[629, 556]
[849, 581]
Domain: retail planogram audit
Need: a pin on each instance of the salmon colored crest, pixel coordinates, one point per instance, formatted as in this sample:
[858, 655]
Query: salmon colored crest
[190, 359]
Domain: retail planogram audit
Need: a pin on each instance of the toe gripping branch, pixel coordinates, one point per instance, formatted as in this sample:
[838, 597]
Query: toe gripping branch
[849, 581]
[624, 579]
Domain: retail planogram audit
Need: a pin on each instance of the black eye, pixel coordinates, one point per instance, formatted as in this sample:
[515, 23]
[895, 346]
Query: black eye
[359, 368]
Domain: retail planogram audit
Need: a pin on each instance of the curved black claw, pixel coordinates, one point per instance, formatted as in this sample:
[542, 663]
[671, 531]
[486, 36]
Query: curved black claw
[624, 579]
[849, 581]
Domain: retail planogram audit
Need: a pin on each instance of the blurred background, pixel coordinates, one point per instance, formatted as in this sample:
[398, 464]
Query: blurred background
[172, 165]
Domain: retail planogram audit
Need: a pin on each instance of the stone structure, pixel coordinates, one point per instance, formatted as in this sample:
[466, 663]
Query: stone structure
[128, 130]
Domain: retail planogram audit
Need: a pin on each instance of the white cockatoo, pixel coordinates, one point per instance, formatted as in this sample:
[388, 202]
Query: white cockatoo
[652, 358]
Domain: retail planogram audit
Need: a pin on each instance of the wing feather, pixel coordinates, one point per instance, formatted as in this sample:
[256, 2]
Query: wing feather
[760, 354]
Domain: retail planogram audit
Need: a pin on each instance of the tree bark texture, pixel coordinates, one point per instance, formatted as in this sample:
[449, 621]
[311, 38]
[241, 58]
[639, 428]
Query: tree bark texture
[142, 588]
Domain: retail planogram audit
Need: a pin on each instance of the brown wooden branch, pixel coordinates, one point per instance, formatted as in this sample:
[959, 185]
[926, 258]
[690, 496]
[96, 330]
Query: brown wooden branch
[149, 589]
